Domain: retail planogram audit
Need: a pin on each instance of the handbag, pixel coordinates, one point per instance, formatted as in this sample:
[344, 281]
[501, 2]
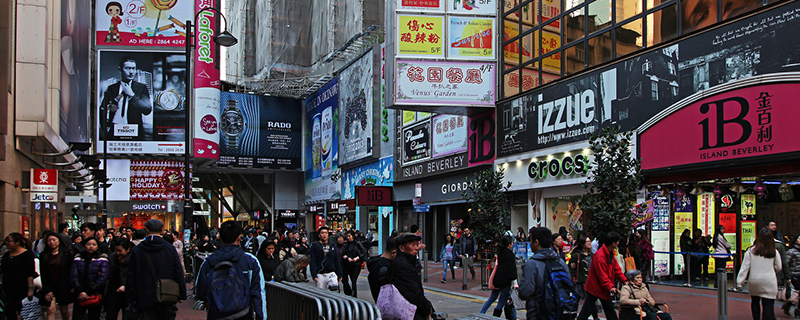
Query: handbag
[646, 307]
[630, 264]
[167, 290]
[491, 277]
[92, 301]
[515, 300]
[31, 310]
[393, 305]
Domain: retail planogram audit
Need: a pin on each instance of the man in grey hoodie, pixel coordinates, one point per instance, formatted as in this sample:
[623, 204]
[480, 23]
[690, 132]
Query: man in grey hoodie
[533, 273]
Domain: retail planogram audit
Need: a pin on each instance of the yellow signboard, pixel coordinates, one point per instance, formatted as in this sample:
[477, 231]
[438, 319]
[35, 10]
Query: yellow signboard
[550, 41]
[409, 117]
[420, 35]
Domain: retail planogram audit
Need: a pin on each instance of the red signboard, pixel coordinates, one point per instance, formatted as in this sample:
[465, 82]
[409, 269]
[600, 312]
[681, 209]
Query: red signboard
[741, 123]
[728, 220]
[320, 222]
[160, 180]
[44, 180]
[373, 196]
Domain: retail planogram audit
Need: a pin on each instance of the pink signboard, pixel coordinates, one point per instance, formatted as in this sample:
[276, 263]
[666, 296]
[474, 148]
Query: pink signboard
[206, 84]
[481, 140]
[741, 123]
[142, 23]
[445, 83]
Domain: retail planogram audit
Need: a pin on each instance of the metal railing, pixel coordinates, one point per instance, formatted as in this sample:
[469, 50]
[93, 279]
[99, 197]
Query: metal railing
[313, 303]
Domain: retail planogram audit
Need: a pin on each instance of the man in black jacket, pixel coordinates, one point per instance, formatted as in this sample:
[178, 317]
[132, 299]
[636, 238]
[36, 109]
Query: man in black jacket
[326, 267]
[141, 290]
[125, 103]
[405, 274]
[468, 248]
[379, 268]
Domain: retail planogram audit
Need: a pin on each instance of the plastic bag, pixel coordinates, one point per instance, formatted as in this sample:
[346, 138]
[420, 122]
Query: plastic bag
[393, 305]
[31, 310]
[519, 304]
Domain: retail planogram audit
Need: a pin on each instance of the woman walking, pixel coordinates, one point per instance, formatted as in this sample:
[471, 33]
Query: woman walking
[114, 299]
[722, 249]
[761, 262]
[88, 277]
[55, 264]
[580, 260]
[648, 255]
[304, 250]
[448, 256]
[603, 276]
[503, 278]
[353, 256]
[18, 273]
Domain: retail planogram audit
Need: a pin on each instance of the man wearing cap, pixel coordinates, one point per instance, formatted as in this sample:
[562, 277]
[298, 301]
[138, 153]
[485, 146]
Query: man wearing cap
[166, 265]
[406, 274]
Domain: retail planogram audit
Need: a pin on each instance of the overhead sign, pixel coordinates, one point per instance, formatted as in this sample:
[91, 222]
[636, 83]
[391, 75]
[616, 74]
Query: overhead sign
[374, 196]
[445, 83]
[44, 180]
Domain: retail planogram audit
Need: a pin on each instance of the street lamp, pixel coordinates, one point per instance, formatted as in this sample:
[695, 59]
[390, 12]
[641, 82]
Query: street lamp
[224, 39]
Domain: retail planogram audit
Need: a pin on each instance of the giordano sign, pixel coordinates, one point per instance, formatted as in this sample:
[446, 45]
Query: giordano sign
[566, 164]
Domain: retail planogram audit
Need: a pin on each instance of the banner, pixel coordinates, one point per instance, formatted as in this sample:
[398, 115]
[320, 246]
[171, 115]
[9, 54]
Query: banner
[260, 131]
[141, 94]
[76, 56]
[471, 38]
[683, 221]
[417, 143]
[322, 143]
[705, 213]
[143, 23]
[661, 263]
[661, 214]
[449, 135]
[420, 36]
[356, 104]
[206, 83]
[156, 180]
[445, 83]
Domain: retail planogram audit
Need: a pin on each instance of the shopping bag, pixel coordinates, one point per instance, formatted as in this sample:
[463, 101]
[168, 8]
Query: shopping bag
[393, 305]
[518, 303]
[31, 310]
[630, 264]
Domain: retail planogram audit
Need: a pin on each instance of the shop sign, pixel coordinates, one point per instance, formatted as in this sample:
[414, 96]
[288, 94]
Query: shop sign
[44, 180]
[748, 206]
[287, 214]
[449, 135]
[148, 207]
[319, 222]
[568, 165]
[421, 5]
[420, 36]
[471, 38]
[744, 122]
[373, 196]
[417, 143]
[448, 187]
[44, 197]
[334, 206]
[481, 139]
[448, 83]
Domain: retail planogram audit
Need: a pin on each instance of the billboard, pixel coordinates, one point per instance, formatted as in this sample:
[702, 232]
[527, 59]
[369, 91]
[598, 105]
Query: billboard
[379, 173]
[118, 172]
[420, 36]
[260, 132]
[357, 108]
[156, 180]
[76, 37]
[471, 38]
[449, 135]
[206, 84]
[632, 91]
[445, 83]
[140, 94]
[143, 23]
[322, 143]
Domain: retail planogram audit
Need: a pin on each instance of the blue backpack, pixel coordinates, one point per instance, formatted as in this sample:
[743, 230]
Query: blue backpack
[559, 300]
[228, 292]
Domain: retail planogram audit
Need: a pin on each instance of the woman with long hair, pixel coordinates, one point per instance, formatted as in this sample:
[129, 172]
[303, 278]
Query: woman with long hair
[55, 263]
[648, 255]
[303, 249]
[687, 245]
[115, 299]
[503, 278]
[761, 263]
[18, 273]
[353, 256]
[89, 276]
[268, 259]
[721, 248]
[521, 235]
[448, 256]
[579, 262]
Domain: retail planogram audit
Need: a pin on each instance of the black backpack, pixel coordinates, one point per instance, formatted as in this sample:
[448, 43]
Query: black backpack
[559, 300]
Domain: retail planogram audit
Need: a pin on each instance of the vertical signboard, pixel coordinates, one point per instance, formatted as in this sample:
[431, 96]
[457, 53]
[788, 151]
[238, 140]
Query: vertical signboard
[356, 104]
[206, 83]
[322, 143]
[76, 38]
[705, 213]
[449, 135]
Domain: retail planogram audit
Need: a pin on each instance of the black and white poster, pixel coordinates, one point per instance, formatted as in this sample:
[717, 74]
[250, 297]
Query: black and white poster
[356, 110]
[417, 143]
[630, 92]
[140, 102]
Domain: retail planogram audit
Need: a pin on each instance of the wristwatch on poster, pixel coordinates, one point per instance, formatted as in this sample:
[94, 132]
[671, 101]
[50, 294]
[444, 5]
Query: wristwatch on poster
[232, 124]
[169, 100]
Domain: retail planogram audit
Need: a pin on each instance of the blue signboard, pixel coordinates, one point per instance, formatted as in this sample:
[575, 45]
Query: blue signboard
[422, 208]
[380, 174]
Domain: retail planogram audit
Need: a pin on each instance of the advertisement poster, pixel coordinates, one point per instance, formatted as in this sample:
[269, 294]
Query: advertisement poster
[645, 212]
[151, 23]
[471, 38]
[118, 172]
[449, 135]
[728, 220]
[422, 5]
[322, 144]
[695, 64]
[512, 51]
[748, 234]
[748, 206]
[156, 180]
[207, 106]
[378, 173]
[683, 221]
[661, 214]
[445, 83]
[420, 36]
[260, 132]
[705, 213]
[417, 142]
[480, 7]
[355, 102]
[141, 95]
[76, 54]
[661, 263]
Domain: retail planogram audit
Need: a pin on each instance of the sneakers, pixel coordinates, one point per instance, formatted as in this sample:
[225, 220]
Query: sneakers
[444, 281]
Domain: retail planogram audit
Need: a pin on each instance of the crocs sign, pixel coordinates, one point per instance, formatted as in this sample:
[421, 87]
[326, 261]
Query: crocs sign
[554, 167]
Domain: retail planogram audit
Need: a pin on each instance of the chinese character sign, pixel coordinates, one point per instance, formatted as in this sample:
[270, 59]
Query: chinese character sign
[449, 135]
[422, 5]
[445, 83]
[705, 213]
[550, 42]
[528, 80]
[420, 36]
[471, 38]
[151, 23]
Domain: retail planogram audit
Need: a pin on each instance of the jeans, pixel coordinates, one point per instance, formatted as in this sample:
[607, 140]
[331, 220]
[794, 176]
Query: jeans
[452, 264]
[350, 280]
[589, 307]
[756, 304]
[504, 294]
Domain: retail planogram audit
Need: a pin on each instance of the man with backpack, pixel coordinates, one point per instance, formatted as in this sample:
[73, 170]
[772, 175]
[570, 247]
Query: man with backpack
[326, 266]
[546, 283]
[238, 290]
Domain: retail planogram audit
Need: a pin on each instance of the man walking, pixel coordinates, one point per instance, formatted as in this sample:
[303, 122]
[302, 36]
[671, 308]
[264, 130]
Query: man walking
[230, 268]
[153, 255]
[379, 268]
[468, 248]
[326, 267]
[405, 274]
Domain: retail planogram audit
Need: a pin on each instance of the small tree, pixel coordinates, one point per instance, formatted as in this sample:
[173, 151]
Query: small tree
[613, 184]
[487, 200]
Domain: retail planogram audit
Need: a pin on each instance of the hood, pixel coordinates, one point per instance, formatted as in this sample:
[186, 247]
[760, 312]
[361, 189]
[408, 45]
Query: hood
[154, 244]
[228, 252]
[377, 262]
[545, 254]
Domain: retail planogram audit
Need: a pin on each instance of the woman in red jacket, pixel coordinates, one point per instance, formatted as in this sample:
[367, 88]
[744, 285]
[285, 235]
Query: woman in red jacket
[601, 282]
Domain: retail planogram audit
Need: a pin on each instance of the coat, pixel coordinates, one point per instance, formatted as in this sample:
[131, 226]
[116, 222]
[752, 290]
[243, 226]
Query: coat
[582, 262]
[759, 272]
[723, 247]
[96, 268]
[244, 261]
[268, 265]
[166, 263]
[287, 271]
[793, 260]
[353, 250]
[65, 267]
[322, 262]
[533, 280]
[785, 274]
[506, 269]
[378, 274]
[603, 275]
[405, 276]
[468, 244]
[638, 292]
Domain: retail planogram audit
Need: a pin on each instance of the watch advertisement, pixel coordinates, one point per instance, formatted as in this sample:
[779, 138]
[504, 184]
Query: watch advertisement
[140, 102]
[322, 143]
[356, 104]
[206, 83]
[142, 23]
[260, 132]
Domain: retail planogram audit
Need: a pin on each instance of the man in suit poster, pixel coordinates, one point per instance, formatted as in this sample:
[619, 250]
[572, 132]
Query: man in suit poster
[125, 103]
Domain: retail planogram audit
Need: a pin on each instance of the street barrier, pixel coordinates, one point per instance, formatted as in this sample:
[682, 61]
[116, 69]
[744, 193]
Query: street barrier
[479, 316]
[334, 305]
[689, 261]
[464, 271]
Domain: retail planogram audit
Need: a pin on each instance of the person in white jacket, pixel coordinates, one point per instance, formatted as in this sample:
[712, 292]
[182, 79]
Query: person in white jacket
[761, 262]
[722, 249]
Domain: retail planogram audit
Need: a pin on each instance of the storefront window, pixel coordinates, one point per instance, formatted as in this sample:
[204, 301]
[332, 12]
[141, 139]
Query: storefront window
[564, 212]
